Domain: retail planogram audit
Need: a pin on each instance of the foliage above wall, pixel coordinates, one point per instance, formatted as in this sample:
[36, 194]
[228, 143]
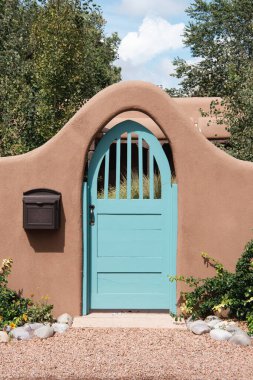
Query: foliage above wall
[220, 36]
[54, 56]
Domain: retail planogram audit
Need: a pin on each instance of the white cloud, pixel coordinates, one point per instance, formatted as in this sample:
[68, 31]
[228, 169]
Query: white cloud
[167, 66]
[154, 7]
[158, 74]
[155, 35]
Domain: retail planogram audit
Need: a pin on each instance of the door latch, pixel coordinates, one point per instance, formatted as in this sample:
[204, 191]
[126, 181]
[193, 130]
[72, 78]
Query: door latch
[92, 216]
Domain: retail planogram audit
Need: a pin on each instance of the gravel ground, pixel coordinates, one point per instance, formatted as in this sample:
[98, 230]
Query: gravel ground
[126, 354]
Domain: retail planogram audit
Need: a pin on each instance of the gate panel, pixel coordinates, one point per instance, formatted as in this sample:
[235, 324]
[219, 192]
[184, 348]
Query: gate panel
[132, 247]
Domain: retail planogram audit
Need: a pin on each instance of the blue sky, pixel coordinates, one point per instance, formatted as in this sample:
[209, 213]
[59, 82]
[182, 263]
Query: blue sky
[151, 36]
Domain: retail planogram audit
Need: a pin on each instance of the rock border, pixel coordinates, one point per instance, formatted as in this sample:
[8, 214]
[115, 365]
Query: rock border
[39, 330]
[218, 329]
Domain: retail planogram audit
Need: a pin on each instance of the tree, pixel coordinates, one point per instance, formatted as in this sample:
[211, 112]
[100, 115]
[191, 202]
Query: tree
[220, 36]
[238, 115]
[15, 72]
[54, 57]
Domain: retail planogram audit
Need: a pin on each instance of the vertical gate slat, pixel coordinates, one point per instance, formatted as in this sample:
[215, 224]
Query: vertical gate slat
[118, 169]
[129, 165]
[140, 164]
[151, 174]
[106, 176]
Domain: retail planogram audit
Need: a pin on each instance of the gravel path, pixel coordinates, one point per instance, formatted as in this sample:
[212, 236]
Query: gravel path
[126, 354]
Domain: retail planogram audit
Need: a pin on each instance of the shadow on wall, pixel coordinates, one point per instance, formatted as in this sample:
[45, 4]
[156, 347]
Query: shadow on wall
[48, 240]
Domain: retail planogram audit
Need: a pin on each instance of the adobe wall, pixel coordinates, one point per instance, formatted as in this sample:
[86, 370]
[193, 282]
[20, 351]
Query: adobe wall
[215, 208]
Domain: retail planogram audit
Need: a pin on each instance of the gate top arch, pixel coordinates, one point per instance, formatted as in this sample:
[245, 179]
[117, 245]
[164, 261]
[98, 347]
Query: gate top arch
[128, 126]
[215, 208]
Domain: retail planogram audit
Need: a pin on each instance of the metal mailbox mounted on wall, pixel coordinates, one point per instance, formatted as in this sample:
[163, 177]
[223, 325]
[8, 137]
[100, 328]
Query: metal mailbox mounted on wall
[41, 209]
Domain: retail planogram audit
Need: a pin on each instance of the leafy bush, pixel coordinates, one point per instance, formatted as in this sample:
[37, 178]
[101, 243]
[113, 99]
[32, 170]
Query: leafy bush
[225, 289]
[13, 307]
[40, 311]
[15, 310]
[250, 323]
[242, 291]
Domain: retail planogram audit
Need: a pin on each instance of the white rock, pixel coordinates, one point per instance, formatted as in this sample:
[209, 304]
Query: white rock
[33, 326]
[60, 327]
[220, 334]
[234, 329]
[212, 318]
[44, 332]
[213, 323]
[4, 337]
[189, 322]
[241, 339]
[199, 327]
[224, 325]
[65, 318]
[27, 327]
[20, 333]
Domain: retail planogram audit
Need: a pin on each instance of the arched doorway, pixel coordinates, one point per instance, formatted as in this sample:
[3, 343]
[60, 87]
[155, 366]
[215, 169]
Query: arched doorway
[131, 224]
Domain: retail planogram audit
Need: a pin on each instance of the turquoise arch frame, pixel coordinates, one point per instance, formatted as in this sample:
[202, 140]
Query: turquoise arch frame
[129, 126]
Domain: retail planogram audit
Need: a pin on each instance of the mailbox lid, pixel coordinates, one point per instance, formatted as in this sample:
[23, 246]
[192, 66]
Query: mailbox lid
[41, 196]
[40, 200]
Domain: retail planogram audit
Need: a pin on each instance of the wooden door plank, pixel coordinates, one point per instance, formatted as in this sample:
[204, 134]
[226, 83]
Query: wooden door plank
[129, 165]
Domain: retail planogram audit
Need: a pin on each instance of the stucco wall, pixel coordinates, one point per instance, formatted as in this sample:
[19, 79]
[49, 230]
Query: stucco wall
[215, 208]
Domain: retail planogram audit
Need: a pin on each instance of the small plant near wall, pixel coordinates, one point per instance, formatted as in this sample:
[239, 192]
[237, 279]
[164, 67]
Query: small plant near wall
[228, 294]
[16, 310]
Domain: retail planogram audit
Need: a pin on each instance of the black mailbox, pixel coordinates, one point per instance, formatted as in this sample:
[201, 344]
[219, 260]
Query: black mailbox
[41, 209]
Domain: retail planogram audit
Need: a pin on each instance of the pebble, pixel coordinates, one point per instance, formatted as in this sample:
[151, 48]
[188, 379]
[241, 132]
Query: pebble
[224, 325]
[27, 328]
[60, 327]
[220, 334]
[44, 332]
[199, 327]
[234, 329]
[65, 318]
[213, 323]
[4, 337]
[33, 326]
[20, 333]
[7, 328]
[240, 339]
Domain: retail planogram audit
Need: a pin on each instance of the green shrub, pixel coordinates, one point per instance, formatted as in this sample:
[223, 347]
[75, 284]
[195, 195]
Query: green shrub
[13, 307]
[15, 310]
[225, 289]
[242, 291]
[250, 323]
[40, 311]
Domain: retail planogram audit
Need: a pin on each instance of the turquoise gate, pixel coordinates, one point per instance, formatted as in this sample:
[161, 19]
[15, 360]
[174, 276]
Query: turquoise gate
[131, 245]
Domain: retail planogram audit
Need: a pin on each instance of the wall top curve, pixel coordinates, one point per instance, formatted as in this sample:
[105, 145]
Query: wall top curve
[124, 96]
